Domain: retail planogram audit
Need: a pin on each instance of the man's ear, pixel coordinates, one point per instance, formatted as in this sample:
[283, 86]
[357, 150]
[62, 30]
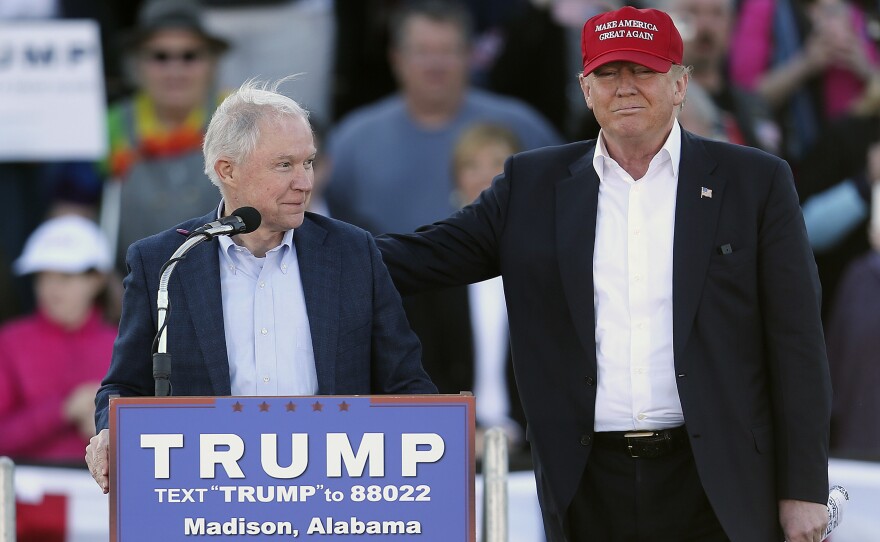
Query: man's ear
[585, 88]
[225, 171]
[681, 89]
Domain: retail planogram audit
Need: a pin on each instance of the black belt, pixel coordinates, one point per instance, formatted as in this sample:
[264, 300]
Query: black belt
[645, 444]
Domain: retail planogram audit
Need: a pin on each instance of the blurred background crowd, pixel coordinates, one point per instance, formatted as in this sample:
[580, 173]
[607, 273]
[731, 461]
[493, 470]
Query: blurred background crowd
[416, 105]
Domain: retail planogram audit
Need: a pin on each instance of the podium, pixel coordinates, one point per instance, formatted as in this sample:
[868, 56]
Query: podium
[248, 468]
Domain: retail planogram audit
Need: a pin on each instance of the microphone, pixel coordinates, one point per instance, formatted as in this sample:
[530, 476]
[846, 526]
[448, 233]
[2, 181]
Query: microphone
[242, 220]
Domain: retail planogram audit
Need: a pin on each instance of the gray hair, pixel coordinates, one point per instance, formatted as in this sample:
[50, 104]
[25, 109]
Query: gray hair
[235, 127]
[677, 71]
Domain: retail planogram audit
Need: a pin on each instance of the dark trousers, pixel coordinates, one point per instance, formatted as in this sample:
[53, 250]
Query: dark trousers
[626, 499]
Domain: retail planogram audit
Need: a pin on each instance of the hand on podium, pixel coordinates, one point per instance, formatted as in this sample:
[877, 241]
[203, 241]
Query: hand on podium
[98, 457]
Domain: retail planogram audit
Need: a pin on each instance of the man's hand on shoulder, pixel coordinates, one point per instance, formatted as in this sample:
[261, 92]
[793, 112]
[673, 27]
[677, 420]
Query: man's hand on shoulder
[98, 457]
[802, 521]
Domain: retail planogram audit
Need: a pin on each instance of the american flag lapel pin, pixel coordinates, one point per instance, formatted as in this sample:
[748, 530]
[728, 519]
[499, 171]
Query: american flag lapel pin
[705, 192]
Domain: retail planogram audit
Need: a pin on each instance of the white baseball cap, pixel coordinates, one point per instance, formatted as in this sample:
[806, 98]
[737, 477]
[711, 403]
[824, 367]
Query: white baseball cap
[66, 244]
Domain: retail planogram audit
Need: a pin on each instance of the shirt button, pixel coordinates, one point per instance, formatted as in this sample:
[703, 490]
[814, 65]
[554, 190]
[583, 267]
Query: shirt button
[264, 331]
[637, 232]
[589, 380]
[266, 379]
[284, 268]
[637, 277]
[262, 284]
[642, 417]
[586, 440]
[639, 370]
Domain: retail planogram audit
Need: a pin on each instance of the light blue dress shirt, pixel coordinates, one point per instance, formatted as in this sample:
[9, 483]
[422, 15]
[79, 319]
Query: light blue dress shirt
[268, 339]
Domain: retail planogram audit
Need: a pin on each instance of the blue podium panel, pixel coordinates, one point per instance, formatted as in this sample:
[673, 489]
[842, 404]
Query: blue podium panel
[280, 468]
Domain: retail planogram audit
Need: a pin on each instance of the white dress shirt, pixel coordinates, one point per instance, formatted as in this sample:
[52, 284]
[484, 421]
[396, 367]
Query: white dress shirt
[632, 273]
[268, 339]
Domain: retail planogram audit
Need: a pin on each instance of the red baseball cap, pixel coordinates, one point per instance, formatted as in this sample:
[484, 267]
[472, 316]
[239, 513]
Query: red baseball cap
[643, 36]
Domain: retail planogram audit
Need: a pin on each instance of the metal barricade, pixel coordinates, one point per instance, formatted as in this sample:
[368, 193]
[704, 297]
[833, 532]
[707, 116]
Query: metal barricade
[7, 500]
[495, 486]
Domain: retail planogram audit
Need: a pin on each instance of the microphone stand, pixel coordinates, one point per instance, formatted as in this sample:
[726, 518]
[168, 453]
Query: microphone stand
[243, 220]
[161, 357]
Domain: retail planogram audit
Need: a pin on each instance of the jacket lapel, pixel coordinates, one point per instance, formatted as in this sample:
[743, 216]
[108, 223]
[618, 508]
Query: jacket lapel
[319, 269]
[201, 291]
[696, 217]
[576, 202]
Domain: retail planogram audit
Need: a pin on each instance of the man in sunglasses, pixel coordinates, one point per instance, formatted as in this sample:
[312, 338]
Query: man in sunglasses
[155, 161]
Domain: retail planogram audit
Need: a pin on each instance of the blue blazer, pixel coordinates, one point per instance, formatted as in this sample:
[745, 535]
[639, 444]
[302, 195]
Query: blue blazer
[362, 341]
[749, 352]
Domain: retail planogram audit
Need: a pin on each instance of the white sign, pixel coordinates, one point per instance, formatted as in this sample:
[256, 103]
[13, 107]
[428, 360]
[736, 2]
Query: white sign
[52, 103]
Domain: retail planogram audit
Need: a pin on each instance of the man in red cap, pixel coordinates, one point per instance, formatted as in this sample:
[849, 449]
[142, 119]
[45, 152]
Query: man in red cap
[664, 316]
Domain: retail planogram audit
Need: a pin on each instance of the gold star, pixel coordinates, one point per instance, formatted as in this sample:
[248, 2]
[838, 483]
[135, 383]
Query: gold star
[291, 407]
[343, 406]
[316, 406]
[237, 407]
[264, 407]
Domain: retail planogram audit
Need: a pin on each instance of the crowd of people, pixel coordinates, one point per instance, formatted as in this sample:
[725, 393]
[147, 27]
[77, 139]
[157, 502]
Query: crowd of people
[422, 105]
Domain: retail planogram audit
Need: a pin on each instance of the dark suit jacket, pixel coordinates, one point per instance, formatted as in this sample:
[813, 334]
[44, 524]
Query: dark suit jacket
[749, 353]
[362, 341]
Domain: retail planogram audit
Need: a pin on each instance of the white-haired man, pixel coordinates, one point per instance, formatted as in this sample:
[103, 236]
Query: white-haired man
[307, 305]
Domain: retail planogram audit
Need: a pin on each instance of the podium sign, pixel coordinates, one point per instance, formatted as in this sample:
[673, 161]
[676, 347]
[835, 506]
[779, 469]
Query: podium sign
[248, 468]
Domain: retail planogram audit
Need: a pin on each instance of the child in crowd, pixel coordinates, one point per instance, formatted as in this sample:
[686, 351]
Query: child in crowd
[52, 361]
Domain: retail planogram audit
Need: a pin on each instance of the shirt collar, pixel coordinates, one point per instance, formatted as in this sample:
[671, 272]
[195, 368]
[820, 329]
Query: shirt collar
[671, 149]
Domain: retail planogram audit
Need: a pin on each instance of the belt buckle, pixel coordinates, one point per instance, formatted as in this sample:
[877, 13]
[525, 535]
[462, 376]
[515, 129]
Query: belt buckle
[631, 440]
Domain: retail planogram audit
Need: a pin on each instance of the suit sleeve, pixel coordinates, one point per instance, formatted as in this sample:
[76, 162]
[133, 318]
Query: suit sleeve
[130, 373]
[395, 350]
[795, 346]
[459, 250]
